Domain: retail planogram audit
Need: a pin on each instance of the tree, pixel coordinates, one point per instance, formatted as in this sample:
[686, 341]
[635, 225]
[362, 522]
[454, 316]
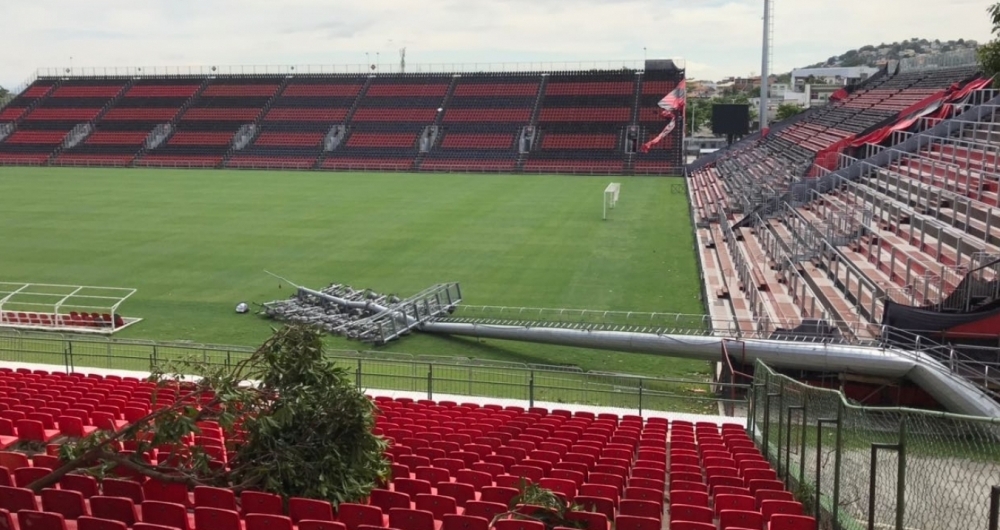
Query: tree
[787, 110]
[545, 507]
[699, 114]
[300, 429]
[4, 93]
[989, 53]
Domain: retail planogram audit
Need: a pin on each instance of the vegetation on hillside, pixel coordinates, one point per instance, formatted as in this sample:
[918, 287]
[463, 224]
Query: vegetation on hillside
[787, 110]
[871, 55]
[989, 53]
[301, 429]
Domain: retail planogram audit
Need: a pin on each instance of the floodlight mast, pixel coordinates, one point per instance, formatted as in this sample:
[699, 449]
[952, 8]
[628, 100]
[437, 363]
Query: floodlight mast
[765, 65]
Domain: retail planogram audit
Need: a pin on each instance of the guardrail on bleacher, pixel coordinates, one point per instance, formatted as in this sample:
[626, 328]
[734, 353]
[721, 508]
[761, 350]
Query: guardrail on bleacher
[358, 68]
[427, 374]
[871, 467]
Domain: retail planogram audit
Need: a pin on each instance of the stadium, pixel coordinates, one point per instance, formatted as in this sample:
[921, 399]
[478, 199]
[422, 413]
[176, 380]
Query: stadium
[529, 279]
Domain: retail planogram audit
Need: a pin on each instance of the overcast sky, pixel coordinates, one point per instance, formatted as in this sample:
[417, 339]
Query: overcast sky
[716, 38]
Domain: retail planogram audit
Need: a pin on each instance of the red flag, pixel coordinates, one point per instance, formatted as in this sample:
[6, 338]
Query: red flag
[659, 138]
[672, 105]
[676, 99]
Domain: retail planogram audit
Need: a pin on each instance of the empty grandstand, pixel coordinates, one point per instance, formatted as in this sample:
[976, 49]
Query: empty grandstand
[851, 213]
[535, 122]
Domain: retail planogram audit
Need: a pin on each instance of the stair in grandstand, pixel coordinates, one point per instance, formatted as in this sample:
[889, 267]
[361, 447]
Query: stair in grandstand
[357, 100]
[76, 135]
[328, 144]
[446, 100]
[334, 137]
[5, 130]
[158, 135]
[274, 97]
[248, 133]
[187, 104]
[38, 101]
[629, 155]
[113, 102]
[428, 140]
[244, 136]
[431, 137]
[536, 110]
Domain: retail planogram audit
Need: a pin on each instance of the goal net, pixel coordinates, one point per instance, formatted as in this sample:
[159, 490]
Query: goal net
[611, 197]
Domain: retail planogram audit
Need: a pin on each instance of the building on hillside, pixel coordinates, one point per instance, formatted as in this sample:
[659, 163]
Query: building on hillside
[841, 75]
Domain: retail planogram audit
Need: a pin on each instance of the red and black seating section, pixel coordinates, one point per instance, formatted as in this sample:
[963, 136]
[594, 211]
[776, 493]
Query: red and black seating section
[481, 127]
[384, 131]
[582, 122]
[293, 129]
[42, 125]
[122, 131]
[205, 130]
[580, 119]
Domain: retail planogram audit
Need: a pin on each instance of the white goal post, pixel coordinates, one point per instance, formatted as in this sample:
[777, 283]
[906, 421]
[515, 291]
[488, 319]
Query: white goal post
[611, 197]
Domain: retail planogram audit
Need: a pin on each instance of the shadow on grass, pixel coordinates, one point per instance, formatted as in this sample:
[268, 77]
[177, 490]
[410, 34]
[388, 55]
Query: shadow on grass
[479, 348]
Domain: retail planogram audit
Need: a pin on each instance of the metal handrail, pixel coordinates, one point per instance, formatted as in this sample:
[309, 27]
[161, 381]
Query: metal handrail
[356, 68]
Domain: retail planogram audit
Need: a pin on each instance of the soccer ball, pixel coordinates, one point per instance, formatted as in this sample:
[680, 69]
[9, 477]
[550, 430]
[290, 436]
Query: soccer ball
[242, 308]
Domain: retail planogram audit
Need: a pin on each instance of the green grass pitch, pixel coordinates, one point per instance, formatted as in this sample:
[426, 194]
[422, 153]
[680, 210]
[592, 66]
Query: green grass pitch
[195, 243]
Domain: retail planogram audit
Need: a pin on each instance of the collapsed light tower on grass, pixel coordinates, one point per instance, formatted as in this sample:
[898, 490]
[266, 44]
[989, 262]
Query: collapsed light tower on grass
[377, 319]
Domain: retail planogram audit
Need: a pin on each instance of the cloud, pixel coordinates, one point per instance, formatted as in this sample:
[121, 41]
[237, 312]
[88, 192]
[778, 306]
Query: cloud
[715, 37]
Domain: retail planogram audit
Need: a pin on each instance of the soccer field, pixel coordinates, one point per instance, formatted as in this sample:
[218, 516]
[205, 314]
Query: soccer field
[195, 243]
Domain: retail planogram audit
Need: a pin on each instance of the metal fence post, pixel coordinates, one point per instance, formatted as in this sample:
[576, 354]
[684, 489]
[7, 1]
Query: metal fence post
[900, 480]
[767, 424]
[788, 443]
[819, 465]
[781, 404]
[838, 453]
[357, 375]
[901, 475]
[994, 508]
[872, 484]
[640, 397]
[802, 450]
[68, 356]
[531, 389]
[430, 380]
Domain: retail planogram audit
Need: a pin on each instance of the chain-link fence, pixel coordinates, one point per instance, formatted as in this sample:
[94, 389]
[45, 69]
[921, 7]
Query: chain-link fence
[426, 374]
[865, 467]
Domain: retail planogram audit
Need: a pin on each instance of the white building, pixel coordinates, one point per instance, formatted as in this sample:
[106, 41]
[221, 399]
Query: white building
[842, 75]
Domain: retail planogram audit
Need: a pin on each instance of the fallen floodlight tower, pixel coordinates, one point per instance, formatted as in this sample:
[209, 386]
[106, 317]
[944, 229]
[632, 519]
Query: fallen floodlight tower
[364, 315]
[418, 312]
[952, 390]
